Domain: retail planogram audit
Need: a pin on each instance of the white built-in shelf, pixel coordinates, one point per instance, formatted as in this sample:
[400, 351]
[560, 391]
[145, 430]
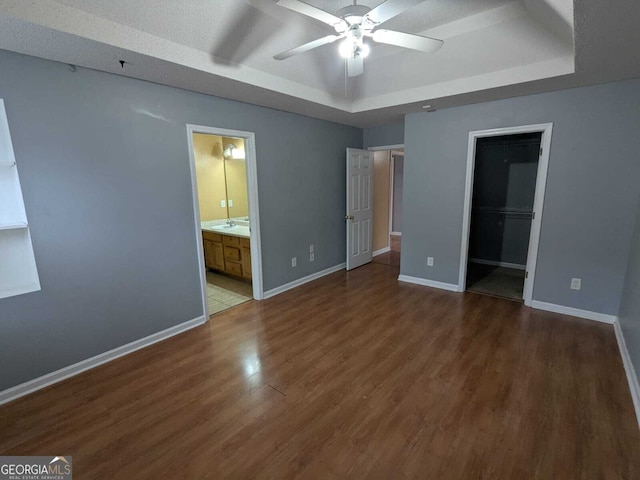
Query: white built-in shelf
[18, 271]
[12, 226]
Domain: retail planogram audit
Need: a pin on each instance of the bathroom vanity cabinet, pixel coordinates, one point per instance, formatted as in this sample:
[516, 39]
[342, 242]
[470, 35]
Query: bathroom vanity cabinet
[227, 253]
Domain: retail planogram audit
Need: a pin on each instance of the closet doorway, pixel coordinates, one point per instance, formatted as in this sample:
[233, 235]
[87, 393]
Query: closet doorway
[506, 176]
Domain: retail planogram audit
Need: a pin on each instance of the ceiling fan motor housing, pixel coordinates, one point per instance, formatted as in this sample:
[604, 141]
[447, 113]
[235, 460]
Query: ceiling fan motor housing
[353, 14]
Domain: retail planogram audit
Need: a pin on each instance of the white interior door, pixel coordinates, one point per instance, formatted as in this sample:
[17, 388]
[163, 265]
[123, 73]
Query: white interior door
[359, 214]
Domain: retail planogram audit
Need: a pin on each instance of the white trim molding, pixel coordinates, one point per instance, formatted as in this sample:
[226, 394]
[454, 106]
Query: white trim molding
[39, 383]
[428, 283]
[301, 281]
[515, 266]
[574, 312]
[632, 378]
[397, 146]
[541, 180]
[381, 251]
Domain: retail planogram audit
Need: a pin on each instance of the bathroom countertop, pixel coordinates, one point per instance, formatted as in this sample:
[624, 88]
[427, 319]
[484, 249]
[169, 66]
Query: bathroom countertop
[235, 231]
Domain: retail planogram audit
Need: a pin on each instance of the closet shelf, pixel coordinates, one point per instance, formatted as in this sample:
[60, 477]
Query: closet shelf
[511, 212]
[504, 209]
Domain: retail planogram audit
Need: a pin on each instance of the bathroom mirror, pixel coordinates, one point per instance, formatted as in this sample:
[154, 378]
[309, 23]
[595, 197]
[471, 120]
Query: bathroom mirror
[221, 176]
[235, 166]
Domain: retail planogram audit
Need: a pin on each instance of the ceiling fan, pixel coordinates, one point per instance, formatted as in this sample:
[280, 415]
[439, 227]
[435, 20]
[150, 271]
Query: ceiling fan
[355, 22]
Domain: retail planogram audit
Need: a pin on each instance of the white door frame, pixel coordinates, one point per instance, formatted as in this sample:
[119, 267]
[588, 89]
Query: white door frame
[538, 202]
[254, 213]
[392, 172]
[393, 189]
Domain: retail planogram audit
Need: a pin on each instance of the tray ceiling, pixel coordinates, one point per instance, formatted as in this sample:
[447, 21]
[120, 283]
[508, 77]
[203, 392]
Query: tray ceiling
[226, 48]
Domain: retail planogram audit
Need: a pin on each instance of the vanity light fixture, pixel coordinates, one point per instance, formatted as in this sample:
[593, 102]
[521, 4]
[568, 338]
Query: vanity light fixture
[231, 151]
[228, 150]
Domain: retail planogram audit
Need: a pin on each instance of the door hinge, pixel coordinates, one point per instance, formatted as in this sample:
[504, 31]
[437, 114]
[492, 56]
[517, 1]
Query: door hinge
[540, 151]
[533, 216]
[526, 274]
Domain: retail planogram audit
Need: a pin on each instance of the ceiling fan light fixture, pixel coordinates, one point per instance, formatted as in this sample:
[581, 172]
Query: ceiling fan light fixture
[355, 22]
[346, 48]
[352, 48]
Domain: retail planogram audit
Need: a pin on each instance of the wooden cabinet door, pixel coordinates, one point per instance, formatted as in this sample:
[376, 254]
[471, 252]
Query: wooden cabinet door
[209, 260]
[218, 256]
[246, 262]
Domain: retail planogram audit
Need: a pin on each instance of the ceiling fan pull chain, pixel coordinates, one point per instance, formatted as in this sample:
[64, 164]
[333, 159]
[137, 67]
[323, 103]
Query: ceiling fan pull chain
[346, 88]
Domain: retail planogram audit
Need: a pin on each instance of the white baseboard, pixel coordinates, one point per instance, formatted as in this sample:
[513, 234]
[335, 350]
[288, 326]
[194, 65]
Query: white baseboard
[632, 378]
[574, 312]
[54, 377]
[397, 234]
[301, 281]
[428, 283]
[381, 251]
[498, 264]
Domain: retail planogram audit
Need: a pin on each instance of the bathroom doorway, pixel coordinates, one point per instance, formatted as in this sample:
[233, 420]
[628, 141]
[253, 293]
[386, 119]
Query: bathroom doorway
[225, 205]
[387, 204]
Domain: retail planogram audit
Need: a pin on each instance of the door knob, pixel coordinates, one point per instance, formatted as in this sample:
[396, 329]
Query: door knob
[349, 217]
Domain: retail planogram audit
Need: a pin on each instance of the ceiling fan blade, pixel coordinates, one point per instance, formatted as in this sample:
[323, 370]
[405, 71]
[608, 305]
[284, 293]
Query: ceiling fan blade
[307, 46]
[407, 40]
[390, 9]
[355, 66]
[310, 11]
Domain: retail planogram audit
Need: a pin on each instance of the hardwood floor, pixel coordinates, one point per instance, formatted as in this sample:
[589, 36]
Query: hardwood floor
[352, 376]
[391, 257]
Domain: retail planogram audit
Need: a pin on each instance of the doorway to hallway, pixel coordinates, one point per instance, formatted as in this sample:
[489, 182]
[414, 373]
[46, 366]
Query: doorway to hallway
[387, 204]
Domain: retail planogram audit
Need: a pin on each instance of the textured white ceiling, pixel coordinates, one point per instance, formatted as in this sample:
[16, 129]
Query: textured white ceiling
[225, 47]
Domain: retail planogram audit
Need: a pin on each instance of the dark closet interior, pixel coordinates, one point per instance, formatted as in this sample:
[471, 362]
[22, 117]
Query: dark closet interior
[506, 169]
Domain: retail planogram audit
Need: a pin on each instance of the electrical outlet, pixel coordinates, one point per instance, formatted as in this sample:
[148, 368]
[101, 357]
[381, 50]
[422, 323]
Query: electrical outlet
[294, 261]
[430, 261]
[310, 248]
[223, 204]
[576, 283]
[230, 203]
[312, 257]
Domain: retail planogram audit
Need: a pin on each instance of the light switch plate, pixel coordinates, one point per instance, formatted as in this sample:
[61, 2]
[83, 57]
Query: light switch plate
[223, 204]
[230, 203]
[430, 261]
[312, 257]
[310, 248]
[576, 283]
[294, 261]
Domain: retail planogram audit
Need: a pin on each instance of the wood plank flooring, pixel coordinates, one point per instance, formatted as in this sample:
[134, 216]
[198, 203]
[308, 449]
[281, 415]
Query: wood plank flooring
[392, 257]
[352, 376]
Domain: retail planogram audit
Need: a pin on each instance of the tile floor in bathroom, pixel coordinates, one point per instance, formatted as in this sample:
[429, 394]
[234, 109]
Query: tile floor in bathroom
[225, 292]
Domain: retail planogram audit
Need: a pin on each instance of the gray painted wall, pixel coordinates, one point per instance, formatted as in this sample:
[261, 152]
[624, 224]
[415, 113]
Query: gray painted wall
[103, 163]
[591, 189]
[384, 136]
[398, 177]
[630, 304]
